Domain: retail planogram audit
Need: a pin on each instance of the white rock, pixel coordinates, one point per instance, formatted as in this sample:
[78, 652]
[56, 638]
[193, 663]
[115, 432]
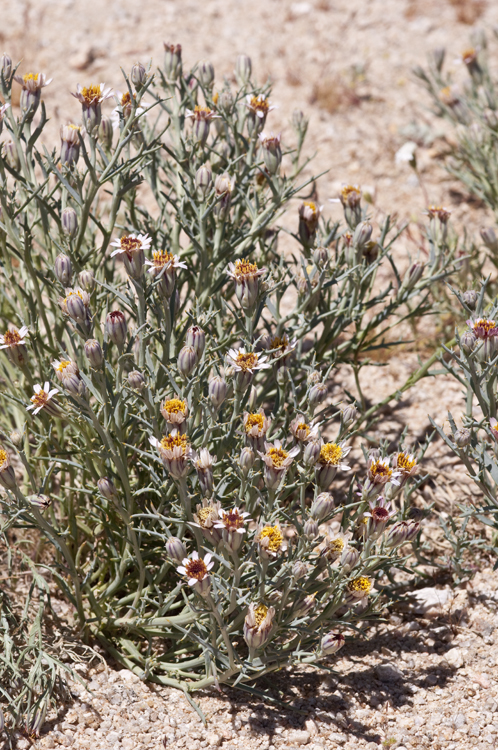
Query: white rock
[455, 657]
[338, 739]
[213, 740]
[128, 743]
[430, 598]
[128, 676]
[112, 738]
[458, 720]
[299, 737]
[311, 727]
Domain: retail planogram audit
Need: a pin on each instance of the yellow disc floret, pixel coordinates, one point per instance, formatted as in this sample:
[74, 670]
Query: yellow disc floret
[274, 536]
[331, 453]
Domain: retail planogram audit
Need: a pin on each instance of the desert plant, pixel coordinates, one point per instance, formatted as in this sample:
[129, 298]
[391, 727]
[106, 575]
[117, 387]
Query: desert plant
[180, 467]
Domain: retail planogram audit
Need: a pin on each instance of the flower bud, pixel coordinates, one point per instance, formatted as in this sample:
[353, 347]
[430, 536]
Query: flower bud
[107, 488]
[311, 452]
[105, 132]
[217, 389]
[10, 155]
[467, 341]
[305, 606]
[225, 101]
[172, 61]
[349, 414]
[87, 280]
[16, 437]
[331, 643]
[205, 73]
[257, 625]
[243, 69]
[462, 437]
[138, 75]
[6, 67]
[246, 460]
[187, 360]
[63, 269]
[176, 549]
[76, 308]
[40, 501]
[322, 506]
[299, 569]
[272, 153]
[362, 234]
[70, 145]
[412, 277]
[310, 529]
[203, 182]
[69, 222]
[7, 473]
[317, 394]
[196, 338]
[116, 327]
[320, 256]
[470, 298]
[349, 558]
[404, 531]
[94, 354]
[489, 238]
[136, 380]
[299, 123]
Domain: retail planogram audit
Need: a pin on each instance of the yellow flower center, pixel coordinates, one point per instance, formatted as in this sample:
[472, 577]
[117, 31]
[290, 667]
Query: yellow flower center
[351, 194]
[78, 293]
[380, 469]
[62, 365]
[405, 463]
[254, 420]
[215, 98]
[3, 456]
[247, 361]
[360, 584]
[161, 259]
[303, 427]
[486, 325]
[40, 399]
[196, 569]
[174, 406]
[90, 94]
[30, 77]
[172, 441]
[125, 99]
[204, 514]
[202, 113]
[274, 535]
[336, 545]
[260, 613]
[311, 206]
[244, 269]
[12, 338]
[278, 456]
[259, 105]
[331, 453]
[279, 342]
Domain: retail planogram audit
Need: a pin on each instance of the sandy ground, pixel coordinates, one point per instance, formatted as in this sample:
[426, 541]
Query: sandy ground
[347, 64]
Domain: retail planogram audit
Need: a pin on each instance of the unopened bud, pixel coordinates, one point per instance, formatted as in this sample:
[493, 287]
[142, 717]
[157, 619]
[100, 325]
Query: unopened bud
[176, 549]
[322, 506]
[311, 529]
[136, 380]
[489, 238]
[6, 67]
[76, 307]
[63, 269]
[404, 531]
[470, 298]
[106, 132]
[172, 61]
[320, 256]
[362, 234]
[94, 354]
[246, 460]
[349, 558]
[349, 414]
[412, 276]
[116, 327]
[243, 69]
[299, 569]
[196, 338]
[87, 280]
[187, 360]
[11, 155]
[217, 388]
[203, 182]
[69, 222]
[311, 452]
[138, 75]
[16, 437]
[107, 488]
[317, 394]
[205, 73]
[331, 643]
[467, 341]
[462, 437]
[272, 153]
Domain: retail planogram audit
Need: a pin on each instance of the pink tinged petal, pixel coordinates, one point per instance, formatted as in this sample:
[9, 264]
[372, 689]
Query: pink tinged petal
[37, 388]
[52, 392]
[207, 558]
[195, 555]
[211, 565]
[182, 570]
[5, 346]
[192, 581]
[154, 441]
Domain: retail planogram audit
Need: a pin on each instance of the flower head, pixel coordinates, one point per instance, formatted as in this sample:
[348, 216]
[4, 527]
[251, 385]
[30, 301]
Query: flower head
[379, 514]
[256, 424]
[131, 244]
[277, 460]
[380, 472]
[201, 113]
[175, 451]
[13, 337]
[406, 463]
[335, 544]
[303, 431]
[163, 260]
[246, 279]
[33, 81]
[93, 94]
[258, 624]
[270, 540]
[41, 399]
[350, 196]
[258, 105]
[232, 520]
[483, 328]
[174, 410]
[439, 212]
[332, 454]
[359, 588]
[243, 361]
[196, 571]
